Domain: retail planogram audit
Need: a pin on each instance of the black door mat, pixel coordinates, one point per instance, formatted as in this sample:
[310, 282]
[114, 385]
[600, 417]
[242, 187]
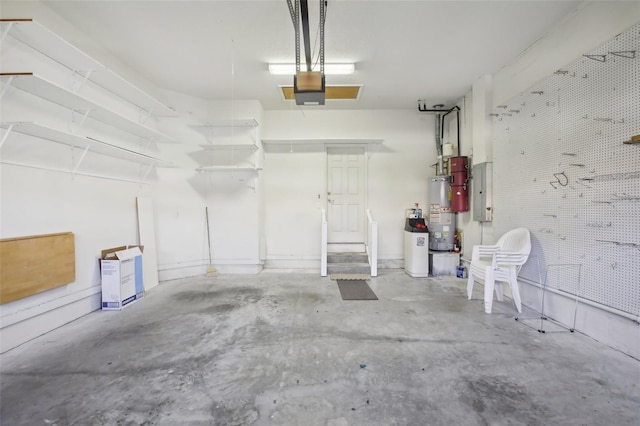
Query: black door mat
[356, 290]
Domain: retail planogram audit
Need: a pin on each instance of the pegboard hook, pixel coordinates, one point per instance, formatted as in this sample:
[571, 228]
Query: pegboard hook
[629, 54]
[599, 58]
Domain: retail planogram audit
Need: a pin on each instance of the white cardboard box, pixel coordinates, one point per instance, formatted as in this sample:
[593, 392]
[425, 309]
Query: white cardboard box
[121, 272]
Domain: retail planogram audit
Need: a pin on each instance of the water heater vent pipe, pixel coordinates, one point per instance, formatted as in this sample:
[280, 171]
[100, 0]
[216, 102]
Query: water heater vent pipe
[438, 109]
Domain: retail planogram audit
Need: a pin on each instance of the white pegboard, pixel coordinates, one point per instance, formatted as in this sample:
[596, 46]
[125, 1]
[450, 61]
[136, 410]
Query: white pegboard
[561, 169]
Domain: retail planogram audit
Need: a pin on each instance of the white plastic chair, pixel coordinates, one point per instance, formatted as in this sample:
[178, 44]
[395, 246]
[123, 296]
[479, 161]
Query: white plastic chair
[499, 263]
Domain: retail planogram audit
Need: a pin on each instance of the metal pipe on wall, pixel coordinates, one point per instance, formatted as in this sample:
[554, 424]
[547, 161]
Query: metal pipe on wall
[440, 124]
[440, 165]
[457, 110]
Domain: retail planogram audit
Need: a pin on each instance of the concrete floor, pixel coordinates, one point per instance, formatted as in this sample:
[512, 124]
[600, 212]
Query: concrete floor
[284, 349]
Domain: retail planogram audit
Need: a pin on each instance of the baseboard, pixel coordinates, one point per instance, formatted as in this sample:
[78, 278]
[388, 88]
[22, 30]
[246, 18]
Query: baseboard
[315, 264]
[219, 267]
[182, 272]
[292, 264]
[613, 330]
[29, 328]
[390, 263]
[248, 269]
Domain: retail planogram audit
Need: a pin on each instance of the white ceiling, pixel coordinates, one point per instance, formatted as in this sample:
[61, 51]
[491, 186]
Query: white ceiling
[403, 50]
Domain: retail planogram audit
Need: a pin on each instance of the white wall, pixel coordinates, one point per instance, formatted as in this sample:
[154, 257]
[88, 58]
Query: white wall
[295, 176]
[233, 200]
[101, 214]
[101, 211]
[41, 195]
[588, 27]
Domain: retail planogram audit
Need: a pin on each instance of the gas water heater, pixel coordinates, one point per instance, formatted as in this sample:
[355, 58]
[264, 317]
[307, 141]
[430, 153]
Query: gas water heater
[442, 226]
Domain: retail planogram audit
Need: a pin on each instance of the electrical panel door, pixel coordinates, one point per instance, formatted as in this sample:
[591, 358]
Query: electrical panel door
[482, 192]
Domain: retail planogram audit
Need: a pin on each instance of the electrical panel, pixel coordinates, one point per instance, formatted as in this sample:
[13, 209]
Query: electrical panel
[482, 192]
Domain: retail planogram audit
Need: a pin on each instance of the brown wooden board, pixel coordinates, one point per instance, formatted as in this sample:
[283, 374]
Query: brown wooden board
[331, 92]
[30, 265]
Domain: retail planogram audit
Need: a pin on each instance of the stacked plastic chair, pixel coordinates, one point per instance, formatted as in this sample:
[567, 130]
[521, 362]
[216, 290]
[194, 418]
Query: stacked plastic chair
[498, 264]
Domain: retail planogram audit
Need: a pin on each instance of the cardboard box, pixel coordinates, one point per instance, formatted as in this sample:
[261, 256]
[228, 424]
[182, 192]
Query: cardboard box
[121, 272]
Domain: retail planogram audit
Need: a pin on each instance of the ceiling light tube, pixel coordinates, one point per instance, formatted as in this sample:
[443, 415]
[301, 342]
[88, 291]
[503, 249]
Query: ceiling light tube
[329, 69]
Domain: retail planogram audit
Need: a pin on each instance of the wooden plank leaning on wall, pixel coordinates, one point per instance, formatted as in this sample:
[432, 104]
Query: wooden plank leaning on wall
[31, 265]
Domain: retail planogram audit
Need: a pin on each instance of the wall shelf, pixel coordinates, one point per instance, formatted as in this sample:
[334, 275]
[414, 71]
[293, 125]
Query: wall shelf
[213, 169]
[222, 138]
[83, 142]
[39, 86]
[225, 129]
[230, 147]
[238, 122]
[33, 34]
[322, 141]
[78, 173]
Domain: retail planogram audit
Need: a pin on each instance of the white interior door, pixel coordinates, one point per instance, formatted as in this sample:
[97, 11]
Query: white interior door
[346, 194]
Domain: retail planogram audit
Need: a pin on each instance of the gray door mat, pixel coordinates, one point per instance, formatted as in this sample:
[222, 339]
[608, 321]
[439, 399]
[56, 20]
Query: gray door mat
[345, 276]
[355, 290]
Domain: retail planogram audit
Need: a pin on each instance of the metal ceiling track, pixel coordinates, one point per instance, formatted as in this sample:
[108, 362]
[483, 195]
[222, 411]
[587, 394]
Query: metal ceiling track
[308, 85]
[299, 10]
[304, 16]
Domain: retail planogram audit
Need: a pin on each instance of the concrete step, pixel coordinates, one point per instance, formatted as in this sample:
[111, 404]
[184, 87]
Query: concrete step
[347, 258]
[346, 248]
[348, 268]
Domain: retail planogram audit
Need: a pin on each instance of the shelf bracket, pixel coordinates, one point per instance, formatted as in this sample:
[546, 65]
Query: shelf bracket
[6, 31]
[84, 76]
[6, 86]
[210, 136]
[144, 178]
[144, 115]
[6, 135]
[77, 166]
[84, 114]
[145, 143]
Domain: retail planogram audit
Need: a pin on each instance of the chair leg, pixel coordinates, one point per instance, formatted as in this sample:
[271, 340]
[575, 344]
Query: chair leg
[499, 291]
[489, 285]
[515, 292]
[470, 285]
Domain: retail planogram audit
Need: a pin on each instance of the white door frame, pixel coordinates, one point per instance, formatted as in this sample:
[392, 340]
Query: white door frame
[325, 197]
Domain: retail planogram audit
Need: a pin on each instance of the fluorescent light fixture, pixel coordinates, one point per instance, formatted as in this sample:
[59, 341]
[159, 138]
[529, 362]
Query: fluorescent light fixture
[329, 69]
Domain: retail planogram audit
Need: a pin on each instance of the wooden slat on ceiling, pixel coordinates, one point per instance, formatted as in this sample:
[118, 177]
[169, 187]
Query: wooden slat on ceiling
[331, 92]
